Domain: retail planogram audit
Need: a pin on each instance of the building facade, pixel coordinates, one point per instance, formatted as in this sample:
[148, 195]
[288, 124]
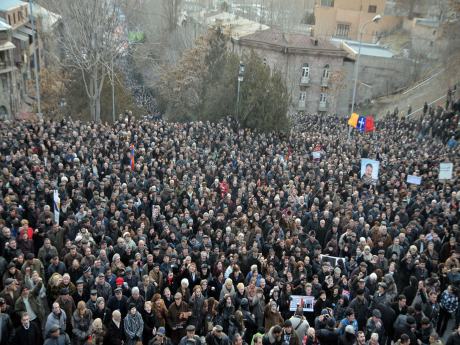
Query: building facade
[312, 68]
[344, 18]
[9, 92]
[17, 60]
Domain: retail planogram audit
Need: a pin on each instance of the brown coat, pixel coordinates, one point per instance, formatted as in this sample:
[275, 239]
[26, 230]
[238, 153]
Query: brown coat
[272, 318]
[177, 321]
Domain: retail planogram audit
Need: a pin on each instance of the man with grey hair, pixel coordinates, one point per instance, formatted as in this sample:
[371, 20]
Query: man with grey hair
[56, 317]
[115, 331]
[136, 298]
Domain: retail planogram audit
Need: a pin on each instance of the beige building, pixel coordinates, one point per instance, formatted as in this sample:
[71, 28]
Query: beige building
[312, 68]
[9, 92]
[344, 18]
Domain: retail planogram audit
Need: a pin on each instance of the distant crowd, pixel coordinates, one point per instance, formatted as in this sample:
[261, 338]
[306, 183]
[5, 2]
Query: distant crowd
[211, 235]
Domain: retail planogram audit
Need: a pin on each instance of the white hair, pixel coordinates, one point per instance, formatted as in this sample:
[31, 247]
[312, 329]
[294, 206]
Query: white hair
[184, 282]
[135, 290]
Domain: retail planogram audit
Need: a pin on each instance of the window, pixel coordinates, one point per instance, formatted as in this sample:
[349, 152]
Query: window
[327, 3]
[305, 70]
[372, 9]
[302, 96]
[265, 61]
[27, 14]
[343, 30]
[14, 17]
[326, 72]
[323, 98]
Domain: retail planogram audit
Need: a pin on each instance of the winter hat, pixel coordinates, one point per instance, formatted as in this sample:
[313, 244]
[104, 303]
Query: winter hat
[349, 329]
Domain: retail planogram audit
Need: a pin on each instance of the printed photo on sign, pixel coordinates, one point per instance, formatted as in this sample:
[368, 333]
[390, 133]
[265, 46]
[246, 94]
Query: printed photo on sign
[412, 179]
[445, 171]
[369, 171]
[333, 260]
[308, 302]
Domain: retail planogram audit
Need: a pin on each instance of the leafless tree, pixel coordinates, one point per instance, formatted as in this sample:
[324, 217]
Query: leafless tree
[92, 35]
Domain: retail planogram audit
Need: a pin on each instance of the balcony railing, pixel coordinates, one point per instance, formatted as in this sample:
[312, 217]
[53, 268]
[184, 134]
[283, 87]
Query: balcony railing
[302, 105]
[322, 106]
[304, 80]
[325, 81]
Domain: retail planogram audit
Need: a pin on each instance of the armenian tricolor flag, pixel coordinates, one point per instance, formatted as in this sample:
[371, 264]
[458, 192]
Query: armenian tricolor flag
[132, 157]
[362, 123]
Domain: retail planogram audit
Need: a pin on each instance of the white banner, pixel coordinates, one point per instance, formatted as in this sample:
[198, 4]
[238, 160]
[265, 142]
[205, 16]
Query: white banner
[445, 171]
[308, 302]
[414, 179]
[57, 206]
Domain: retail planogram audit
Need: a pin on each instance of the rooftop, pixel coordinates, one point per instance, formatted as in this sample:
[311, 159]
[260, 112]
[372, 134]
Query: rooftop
[279, 38]
[367, 49]
[6, 5]
[234, 25]
[4, 26]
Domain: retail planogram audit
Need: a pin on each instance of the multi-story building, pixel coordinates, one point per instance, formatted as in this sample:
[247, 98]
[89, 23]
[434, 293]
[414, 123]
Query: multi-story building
[312, 68]
[14, 18]
[344, 18]
[9, 92]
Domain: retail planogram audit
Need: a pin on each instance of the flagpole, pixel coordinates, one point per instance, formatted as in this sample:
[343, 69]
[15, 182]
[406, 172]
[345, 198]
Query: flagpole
[356, 71]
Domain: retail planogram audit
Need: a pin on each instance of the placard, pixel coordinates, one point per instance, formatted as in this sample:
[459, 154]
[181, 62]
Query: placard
[369, 171]
[331, 259]
[307, 301]
[316, 155]
[413, 179]
[445, 171]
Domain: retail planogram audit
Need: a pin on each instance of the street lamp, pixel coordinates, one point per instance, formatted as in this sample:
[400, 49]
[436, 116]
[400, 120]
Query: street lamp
[240, 79]
[376, 19]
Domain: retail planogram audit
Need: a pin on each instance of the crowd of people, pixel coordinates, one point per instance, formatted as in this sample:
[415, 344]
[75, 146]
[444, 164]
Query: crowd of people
[211, 235]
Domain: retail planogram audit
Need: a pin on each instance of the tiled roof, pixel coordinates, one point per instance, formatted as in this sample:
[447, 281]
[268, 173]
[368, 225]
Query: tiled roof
[288, 40]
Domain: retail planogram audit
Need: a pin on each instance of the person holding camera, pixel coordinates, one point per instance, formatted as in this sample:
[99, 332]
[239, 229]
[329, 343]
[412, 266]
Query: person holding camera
[178, 317]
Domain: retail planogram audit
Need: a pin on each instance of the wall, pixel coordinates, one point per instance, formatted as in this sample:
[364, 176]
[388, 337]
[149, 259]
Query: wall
[356, 14]
[383, 75]
[291, 67]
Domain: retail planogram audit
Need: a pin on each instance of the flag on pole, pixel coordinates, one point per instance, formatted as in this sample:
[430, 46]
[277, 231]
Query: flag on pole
[353, 120]
[56, 206]
[132, 157]
[370, 126]
[361, 124]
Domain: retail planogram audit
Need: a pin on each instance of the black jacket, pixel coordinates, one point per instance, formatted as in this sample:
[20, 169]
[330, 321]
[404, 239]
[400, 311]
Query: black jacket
[30, 336]
[114, 335]
[327, 336]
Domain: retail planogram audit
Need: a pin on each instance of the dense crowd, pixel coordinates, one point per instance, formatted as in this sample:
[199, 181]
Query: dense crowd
[207, 233]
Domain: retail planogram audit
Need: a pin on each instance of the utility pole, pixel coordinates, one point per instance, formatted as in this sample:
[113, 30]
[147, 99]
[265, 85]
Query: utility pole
[240, 79]
[35, 42]
[113, 96]
[376, 19]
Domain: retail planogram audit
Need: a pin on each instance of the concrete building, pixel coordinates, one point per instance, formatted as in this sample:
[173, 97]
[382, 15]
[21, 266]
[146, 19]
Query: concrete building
[381, 73]
[9, 92]
[14, 15]
[344, 18]
[313, 69]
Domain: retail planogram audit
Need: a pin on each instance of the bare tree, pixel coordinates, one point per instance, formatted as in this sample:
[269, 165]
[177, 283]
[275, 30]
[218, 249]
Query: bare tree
[91, 37]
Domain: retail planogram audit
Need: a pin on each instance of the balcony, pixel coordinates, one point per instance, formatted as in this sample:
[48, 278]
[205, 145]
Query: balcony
[302, 105]
[323, 106]
[325, 82]
[5, 67]
[304, 80]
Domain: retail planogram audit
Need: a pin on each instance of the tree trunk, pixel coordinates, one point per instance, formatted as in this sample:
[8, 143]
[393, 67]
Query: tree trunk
[92, 105]
[97, 102]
